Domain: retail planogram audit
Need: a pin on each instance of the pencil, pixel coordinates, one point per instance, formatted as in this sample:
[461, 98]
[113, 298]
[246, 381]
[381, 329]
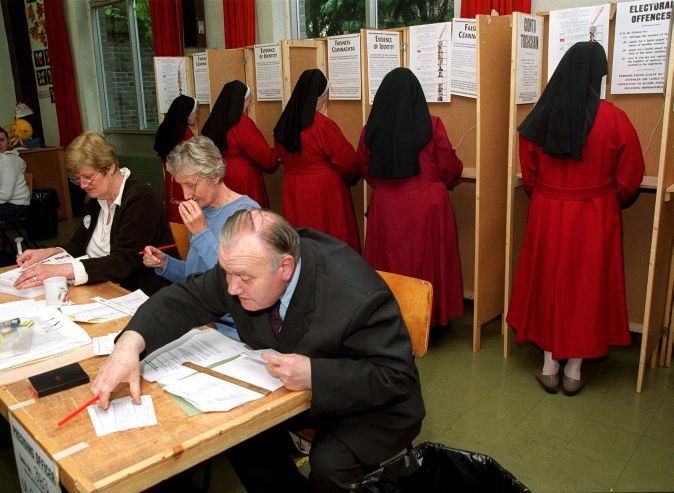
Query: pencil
[160, 248]
[78, 410]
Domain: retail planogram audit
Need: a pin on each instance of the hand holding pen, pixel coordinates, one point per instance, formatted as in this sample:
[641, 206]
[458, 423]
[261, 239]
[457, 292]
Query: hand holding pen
[154, 258]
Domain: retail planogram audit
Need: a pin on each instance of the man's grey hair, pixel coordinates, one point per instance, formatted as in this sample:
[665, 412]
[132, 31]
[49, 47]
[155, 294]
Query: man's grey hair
[198, 156]
[274, 231]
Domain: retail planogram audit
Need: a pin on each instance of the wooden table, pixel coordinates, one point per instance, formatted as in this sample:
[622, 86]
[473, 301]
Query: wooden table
[79, 294]
[132, 460]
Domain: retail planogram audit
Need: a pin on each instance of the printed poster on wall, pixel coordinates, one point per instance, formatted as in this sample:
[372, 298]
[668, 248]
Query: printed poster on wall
[640, 47]
[568, 27]
[464, 57]
[529, 58]
[268, 72]
[344, 67]
[430, 59]
[201, 84]
[383, 55]
[171, 76]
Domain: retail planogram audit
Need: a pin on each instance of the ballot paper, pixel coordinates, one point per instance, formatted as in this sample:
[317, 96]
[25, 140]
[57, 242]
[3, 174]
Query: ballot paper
[105, 344]
[122, 415]
[210, 394]
[7, 279]
[51, 333]
[203, 347]
[104, 310]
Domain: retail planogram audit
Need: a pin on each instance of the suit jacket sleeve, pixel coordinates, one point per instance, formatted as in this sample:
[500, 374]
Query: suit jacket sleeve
[176, 309]
[376, 369]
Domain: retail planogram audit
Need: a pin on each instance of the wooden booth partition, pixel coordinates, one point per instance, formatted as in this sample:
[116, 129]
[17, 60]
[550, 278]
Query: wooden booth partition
[645, 270]
[223, 66]
[477, 128]
[265, 114]
[657, 294]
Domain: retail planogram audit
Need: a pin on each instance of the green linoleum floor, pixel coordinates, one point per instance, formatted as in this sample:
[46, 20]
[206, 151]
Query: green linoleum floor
[606, 438]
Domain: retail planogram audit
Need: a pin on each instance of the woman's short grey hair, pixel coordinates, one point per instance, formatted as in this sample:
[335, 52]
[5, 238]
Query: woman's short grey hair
[198, 156]
[274, 231]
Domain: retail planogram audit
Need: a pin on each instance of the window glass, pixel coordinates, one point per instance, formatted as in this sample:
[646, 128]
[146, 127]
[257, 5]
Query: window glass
[400, 13]
[331, 17]
[125, 54]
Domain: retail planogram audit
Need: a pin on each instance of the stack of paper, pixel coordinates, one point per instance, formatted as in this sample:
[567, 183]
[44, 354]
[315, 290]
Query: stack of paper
[210, 394]
[104, 310]
[7, 279]
[122, 415]
[51, 333]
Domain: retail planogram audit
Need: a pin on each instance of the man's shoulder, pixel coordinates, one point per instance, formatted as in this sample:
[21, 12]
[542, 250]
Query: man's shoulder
[335, 261]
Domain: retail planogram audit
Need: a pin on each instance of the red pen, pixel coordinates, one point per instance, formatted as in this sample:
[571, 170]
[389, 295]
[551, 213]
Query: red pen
[78, 410]
[160, 248]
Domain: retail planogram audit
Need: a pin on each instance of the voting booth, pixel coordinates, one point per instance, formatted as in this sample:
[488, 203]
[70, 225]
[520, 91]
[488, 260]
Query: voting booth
[648, 227]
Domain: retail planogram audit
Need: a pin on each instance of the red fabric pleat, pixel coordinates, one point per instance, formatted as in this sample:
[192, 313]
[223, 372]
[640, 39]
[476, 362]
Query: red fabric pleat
[471, 8]
[62, 72]
[167, 27]
[239, 23]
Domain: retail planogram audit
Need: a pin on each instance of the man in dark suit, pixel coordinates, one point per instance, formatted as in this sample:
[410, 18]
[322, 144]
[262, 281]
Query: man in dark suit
[341, 335]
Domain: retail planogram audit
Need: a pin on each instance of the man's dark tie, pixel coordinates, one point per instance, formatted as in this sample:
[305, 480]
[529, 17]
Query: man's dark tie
[275, 318]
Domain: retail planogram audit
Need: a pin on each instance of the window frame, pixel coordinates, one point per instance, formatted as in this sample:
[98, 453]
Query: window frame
[142, 128]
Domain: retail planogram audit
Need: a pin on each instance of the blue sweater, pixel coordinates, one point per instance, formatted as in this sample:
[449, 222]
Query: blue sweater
[203, 252]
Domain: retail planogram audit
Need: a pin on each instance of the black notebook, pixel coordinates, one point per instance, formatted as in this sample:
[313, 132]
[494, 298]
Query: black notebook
[63, 378]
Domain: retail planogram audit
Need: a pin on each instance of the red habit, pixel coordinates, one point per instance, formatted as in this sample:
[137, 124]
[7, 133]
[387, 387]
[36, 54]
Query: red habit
[173, 193]
[247, 154]
[315, 184]
[411, 228]
[569, 289]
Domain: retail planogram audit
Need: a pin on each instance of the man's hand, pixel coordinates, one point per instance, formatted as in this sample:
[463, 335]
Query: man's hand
[294, 370]
[121, 366]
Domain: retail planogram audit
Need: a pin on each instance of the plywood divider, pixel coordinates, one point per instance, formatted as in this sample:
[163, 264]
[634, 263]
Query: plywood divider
[662, 238]
[493, 89]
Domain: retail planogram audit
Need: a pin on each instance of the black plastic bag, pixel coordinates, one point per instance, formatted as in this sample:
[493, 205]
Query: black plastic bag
[435, 468]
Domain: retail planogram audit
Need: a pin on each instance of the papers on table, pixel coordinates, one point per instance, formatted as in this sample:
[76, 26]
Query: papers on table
[210, 394]
[122, 414]
[7, 279]
[105, 344]
[51, 333]
[203, 347]
[104, 310]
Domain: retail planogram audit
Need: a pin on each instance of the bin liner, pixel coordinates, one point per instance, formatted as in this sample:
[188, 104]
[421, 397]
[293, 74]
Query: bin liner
[435, 468]
[42, 219]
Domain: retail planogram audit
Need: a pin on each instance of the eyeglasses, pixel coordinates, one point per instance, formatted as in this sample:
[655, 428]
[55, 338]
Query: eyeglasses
[173, 200]
[87, 180]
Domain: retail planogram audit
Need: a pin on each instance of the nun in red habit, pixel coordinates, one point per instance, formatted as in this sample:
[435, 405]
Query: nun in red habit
[174, 129]
[580, 159]
[406, 157]
[244, 149]
[318, 163]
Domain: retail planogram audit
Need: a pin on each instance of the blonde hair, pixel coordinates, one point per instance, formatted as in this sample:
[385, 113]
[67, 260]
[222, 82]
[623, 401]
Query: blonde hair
[90, 148]
[197, 156]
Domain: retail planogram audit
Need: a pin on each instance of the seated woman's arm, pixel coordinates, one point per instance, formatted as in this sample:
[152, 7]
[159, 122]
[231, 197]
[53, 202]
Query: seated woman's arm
[139, 221]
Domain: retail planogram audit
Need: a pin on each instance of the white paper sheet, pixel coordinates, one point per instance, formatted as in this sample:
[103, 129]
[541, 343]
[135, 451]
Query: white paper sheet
[7, 279]
[430, 59]
[203, 347]
[105, 344]
[464, 57]
[122, 415]
[104, 310]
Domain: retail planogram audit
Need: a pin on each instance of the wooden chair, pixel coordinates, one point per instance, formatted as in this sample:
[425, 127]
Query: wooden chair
[17, 226]
[182, 239]
[415, 298]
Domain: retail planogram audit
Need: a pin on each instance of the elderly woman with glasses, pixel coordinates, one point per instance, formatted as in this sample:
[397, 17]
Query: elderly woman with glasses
[197, 166]
[123, 217]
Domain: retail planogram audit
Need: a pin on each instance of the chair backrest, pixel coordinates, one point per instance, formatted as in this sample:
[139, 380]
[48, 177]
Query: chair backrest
[29, 182]
[181, 238]
[415, 298]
